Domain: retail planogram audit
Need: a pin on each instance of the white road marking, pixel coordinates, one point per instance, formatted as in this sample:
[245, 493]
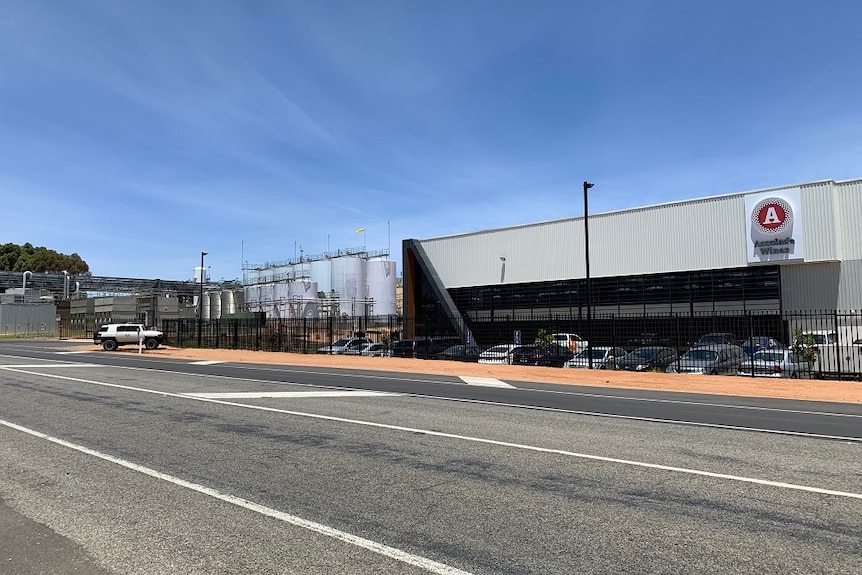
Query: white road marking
[289, 394]
[41, 365]
[373, 546]
[429, 432]
[206, 362]
[73, 352]
[484, 381]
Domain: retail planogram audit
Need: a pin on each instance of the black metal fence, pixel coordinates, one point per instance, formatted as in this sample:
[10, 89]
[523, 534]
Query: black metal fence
[840, 345]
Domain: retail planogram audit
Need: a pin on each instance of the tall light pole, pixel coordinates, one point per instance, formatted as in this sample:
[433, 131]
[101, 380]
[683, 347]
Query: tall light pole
[201, 302]
[587, 186]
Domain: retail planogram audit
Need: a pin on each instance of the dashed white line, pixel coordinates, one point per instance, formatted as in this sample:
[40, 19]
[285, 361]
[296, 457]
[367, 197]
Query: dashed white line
[206, 362]
[484, 381]
[41, 365]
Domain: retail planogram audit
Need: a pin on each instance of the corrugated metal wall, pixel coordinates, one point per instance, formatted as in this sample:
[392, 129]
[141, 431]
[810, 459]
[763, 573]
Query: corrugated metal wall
[819, 206]
[704, 234]
[849, 226]
[848, 216]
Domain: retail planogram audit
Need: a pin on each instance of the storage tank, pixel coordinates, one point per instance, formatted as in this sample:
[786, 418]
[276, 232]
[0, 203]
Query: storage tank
[252, 296]
[380, 276]
[265, 302]
[228, 307]
[199, 271]
[303, 299]
[205, 307]
[348, 279]
[239, 300]
[215, 304]
[320, 271]
[251, 277]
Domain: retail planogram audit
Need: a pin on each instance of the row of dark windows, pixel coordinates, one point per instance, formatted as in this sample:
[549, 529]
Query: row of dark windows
[742, 284]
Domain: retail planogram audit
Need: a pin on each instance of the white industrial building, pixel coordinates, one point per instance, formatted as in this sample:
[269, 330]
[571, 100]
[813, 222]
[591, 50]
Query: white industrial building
[781, 250]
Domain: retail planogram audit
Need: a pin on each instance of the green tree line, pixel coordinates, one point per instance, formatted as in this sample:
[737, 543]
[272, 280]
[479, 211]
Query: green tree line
[15, 258]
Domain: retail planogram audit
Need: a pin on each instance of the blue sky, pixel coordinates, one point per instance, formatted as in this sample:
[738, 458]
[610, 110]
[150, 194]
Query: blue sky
[140, 133]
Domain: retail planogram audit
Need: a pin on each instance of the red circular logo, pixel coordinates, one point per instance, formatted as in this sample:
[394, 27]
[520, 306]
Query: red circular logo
[772, 215]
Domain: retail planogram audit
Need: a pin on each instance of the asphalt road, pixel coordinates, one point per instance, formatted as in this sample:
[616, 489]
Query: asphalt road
[121, 464]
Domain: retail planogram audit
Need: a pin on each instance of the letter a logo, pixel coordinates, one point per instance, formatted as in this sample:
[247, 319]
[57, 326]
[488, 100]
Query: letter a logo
[772, 216]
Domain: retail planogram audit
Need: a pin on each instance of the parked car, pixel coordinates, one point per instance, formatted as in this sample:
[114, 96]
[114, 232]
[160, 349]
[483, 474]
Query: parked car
[551, 356]
[499, 354]
[647, 359]
[648, 339]
[571, 341]
[113, 335]
[604, 357]
[717, 338]
[712, 359]
[420, 348]
[460, 352]
[367, 350]
[823, 337]
[430, 348]
[343, 344]
[402, 348]
[754, 344]
[775, 363]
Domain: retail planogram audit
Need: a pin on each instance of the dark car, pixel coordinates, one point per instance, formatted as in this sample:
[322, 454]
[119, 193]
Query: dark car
[553, 356]
[430, 348]
[649, 358]
[420, 348]
[460, 353]
[402, 348]
[717, 338]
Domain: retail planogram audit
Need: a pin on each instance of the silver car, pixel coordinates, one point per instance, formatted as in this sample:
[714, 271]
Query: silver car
[604, 357]
[775, 363]
[710, 360]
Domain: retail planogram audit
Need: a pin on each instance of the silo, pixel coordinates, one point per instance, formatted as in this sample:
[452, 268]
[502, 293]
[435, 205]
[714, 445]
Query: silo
[239, 300]
[205, 307]
[215, 304]
[227, 303]
[348, 281]
[380, 277]
[320, 271]
[303, 299]
[252, 296]
[251, 277]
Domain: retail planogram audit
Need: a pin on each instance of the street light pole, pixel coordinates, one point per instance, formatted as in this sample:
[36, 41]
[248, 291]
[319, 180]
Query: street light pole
[587, 186]
[201, 302]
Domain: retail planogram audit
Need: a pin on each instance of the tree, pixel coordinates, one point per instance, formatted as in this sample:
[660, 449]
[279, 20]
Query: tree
[804, 345]
[544, 339]
[39, 259]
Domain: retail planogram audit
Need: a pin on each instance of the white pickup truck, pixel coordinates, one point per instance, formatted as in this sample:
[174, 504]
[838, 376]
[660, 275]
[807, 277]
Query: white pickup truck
[112, 335]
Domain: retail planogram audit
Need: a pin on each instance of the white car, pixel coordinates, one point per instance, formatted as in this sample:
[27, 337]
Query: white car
[775, 363]
[367, 350]
[498, 354]
[604, 357]
[113, 335]
[343, 344]
[571, 341]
